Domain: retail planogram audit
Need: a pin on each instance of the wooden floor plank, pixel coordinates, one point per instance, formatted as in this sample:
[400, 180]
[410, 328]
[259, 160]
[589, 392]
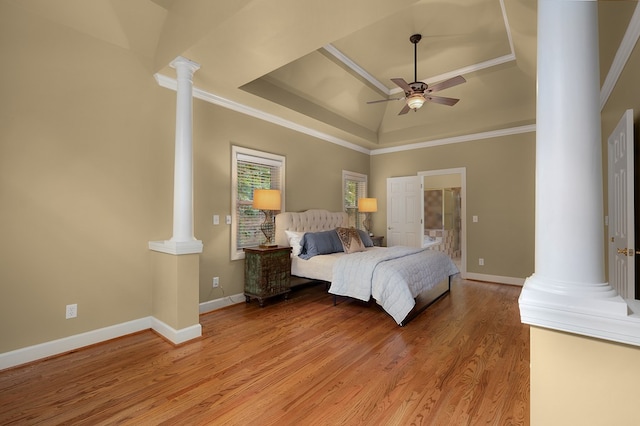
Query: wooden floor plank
[465, 360]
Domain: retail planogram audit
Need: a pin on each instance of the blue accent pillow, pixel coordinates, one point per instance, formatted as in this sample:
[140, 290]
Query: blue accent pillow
[315, 243]
[366, 239]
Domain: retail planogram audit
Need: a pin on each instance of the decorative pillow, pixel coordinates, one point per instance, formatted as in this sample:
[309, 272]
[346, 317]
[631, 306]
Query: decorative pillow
[295, 239]
[366, 239]
[350, 238]
[324, 242]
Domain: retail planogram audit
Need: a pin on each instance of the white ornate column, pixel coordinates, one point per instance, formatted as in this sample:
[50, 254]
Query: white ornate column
[183, 240]
[568, 290]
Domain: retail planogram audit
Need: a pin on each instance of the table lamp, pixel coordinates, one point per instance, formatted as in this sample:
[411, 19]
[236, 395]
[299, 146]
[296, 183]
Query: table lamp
[367, 206]
[267, 200]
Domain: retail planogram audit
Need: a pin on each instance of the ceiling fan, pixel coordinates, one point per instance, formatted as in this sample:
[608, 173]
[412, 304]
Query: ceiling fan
[418, 92]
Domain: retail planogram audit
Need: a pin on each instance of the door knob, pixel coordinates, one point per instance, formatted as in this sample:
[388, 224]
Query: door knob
[628, 252]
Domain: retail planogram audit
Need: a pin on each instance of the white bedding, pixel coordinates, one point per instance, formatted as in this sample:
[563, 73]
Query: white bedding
[318, 267]
[395, 282]
[392, 276]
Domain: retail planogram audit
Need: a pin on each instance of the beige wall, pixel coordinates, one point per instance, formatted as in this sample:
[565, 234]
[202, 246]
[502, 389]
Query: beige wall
[85, 142]
[500, 191]
[86, 180]
[578, 380]
[313, 180]
[443, 181]
[175, 289]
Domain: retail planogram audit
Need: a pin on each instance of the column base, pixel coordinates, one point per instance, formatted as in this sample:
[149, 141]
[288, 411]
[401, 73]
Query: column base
[594, 310]
[176, 247]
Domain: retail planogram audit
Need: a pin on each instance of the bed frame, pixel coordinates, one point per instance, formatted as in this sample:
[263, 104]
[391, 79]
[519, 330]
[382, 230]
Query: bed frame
[317, 220]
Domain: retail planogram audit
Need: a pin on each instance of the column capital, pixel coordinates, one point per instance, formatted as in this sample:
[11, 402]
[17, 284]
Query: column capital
[183, 63]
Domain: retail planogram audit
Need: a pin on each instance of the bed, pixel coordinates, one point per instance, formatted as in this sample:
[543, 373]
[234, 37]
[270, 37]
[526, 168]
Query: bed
[403, 280]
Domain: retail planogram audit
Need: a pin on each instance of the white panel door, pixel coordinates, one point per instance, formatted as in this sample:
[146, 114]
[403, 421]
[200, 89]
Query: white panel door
[404, 211]
[621, 208]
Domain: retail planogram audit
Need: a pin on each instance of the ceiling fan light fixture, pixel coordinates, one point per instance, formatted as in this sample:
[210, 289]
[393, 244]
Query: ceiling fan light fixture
[415, 101]
[414, 93]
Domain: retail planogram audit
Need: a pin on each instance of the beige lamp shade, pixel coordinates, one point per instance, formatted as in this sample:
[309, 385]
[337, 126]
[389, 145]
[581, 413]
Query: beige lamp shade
[367, 205]
[266, 199]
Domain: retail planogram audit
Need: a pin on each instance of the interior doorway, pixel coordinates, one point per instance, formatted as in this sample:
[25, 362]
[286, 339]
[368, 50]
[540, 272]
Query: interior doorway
[444, 224]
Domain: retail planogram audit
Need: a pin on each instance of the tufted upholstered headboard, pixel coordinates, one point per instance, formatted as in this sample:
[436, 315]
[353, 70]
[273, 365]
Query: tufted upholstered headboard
[309, 221]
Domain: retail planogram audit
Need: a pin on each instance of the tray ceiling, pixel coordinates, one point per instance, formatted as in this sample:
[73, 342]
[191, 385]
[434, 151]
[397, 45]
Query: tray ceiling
[316, 64]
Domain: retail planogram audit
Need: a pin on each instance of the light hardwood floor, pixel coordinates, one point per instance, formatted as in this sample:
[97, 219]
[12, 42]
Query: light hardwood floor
[463, 361]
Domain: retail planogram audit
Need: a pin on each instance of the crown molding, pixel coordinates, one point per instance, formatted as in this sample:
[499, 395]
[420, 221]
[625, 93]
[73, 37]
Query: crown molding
[171, 83]
[629, 41]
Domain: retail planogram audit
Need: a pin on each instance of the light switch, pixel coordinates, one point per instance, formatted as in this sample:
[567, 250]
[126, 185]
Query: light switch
[216, 219]
[228, 219]
[475, 218]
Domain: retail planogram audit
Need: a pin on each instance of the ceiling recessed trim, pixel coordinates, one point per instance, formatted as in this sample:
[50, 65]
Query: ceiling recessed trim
[458, 139]
[465, 70]
[331, 49]
[171, 83]
[507, 27]
[431, 80]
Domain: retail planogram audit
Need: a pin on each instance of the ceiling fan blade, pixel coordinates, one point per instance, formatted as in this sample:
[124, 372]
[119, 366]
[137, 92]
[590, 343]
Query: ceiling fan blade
[441, 100]
[404, 110]
[402, 84]
[446, 84]
[384, 100]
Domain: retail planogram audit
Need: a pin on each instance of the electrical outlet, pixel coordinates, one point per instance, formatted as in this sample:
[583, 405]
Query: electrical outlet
[72, 311]
[481, 262]
[216, 282]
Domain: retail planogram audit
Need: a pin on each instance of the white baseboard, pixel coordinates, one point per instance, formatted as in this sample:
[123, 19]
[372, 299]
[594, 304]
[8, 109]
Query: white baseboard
[66, 344]
[495, 279]
[176, 336]
[223, 302]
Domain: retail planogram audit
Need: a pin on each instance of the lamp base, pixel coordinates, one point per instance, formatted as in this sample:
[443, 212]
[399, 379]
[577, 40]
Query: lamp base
[367, 223]
[268, 229]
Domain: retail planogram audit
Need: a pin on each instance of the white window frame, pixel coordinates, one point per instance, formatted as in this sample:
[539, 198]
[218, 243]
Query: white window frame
[357, 177]
[258, 157]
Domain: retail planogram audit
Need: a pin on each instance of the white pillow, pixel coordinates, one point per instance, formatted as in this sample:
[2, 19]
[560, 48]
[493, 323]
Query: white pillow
[294, 241]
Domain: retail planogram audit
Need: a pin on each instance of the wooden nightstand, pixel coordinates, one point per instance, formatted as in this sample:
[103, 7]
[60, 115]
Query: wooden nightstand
[377, 241]
[267, 272]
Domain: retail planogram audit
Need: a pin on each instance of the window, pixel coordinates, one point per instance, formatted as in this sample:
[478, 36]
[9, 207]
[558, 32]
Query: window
[251, 170]
[354, 186]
